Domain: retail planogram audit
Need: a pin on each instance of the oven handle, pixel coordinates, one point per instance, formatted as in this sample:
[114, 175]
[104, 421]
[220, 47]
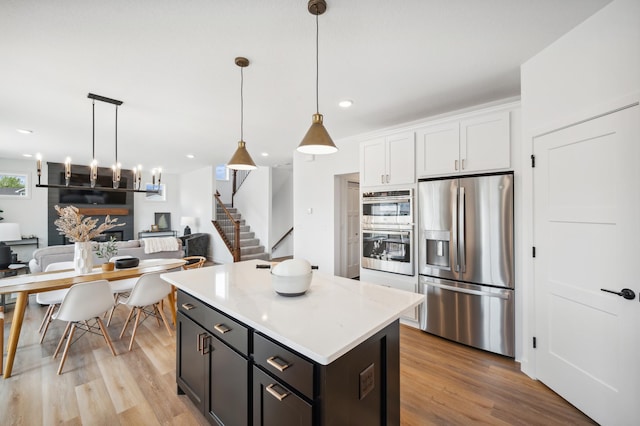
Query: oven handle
[390, 232]
[374, 200]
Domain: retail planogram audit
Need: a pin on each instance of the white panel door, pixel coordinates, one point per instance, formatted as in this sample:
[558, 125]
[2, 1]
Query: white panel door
[485, 143]
[373, 168]
[438, 150]
[587, 238]
[353, 229]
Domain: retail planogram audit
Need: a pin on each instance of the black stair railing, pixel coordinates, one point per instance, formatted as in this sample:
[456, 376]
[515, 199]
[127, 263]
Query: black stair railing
[239, 176]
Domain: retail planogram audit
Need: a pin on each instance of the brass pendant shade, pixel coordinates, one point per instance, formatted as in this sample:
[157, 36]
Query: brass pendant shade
[317, 139]
[241, 160]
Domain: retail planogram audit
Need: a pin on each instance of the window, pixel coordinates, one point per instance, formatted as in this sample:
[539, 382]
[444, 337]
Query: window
[14, 185]
[222, 172]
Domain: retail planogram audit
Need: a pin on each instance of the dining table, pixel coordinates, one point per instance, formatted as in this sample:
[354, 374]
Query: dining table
[24, 285]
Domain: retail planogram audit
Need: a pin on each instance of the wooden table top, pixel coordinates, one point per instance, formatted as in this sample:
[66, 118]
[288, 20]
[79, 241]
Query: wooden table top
[46, 281]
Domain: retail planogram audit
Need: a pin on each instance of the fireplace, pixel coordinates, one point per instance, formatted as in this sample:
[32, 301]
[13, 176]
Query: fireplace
[116, 235]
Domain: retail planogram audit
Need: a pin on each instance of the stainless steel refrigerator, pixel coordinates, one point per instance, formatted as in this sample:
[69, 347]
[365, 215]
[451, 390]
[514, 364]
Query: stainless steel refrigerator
[466, 260]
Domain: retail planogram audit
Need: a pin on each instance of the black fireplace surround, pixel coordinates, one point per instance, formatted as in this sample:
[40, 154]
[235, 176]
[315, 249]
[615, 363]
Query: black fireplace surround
[121, 233]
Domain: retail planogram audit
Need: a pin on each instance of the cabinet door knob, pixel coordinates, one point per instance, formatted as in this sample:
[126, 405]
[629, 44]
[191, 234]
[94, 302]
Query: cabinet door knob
[280, 366]
[275, 393]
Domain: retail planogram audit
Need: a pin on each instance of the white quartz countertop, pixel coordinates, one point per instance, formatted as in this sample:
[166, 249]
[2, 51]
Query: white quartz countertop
[335, 315]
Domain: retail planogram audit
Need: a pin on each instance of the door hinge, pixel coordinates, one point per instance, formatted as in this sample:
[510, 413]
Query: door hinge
[533, 251]
[533, 160]
[535, 344]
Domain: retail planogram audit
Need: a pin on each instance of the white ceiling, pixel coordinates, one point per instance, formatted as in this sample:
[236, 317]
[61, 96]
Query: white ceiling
[172, 64]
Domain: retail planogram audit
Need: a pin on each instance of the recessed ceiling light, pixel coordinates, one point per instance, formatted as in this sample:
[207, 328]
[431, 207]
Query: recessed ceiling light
[265, 154]
[345, 103]
[27, 155]
[191, 156]
[24, 131]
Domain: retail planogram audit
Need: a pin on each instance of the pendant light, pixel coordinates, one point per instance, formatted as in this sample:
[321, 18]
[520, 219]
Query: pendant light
[317, 139]
[241, 160]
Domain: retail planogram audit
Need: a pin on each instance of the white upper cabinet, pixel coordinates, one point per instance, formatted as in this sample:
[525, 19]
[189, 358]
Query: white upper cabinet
[480, 143]
[485, 143]
[388, 160]
[438, 149]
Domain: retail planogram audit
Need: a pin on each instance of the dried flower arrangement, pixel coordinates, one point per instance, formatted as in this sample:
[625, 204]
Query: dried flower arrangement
[78, 228]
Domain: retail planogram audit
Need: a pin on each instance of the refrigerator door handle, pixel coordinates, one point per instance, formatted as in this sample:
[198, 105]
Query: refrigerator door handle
[502, 295]
[461, 222]
[454, 230]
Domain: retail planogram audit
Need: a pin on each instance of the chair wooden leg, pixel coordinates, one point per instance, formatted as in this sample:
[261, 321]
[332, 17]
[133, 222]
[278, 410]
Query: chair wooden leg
[47, 314]
[106, 335]
[113, 308]
[66, 330]
[46, 327]
[164, 320]
[126, 322]
[135, 328]
[66, 348]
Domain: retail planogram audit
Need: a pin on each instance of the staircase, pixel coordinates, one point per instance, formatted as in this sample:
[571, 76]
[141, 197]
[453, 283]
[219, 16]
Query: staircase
[250, 247]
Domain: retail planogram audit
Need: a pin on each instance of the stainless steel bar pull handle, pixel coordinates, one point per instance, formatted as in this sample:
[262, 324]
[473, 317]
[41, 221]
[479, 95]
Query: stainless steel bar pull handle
[381, 178]
[455, 165]
[221, 328]
[462, 162]
[387, 178]
[280, 366]
[200, 345]
[275, 393]
[462, 245]
[187, 306]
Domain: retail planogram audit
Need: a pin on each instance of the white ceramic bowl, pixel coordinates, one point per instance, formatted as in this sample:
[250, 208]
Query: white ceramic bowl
[295, 285]
[291, 277]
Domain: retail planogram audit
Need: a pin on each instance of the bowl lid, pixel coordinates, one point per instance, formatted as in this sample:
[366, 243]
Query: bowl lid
[292, 267]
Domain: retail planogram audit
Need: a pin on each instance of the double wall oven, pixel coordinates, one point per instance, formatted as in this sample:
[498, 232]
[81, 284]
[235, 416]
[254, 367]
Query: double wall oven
[387, 231]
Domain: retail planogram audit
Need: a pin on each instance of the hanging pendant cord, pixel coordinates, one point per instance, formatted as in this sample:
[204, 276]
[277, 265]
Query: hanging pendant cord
[116, 135]
[241, 104]
[317, 67]
[93, 116]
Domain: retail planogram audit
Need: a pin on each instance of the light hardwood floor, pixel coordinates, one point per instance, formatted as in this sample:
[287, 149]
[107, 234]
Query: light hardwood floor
[441, 383]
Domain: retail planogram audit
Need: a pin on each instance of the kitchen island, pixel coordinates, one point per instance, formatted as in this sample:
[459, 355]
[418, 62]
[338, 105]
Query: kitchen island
[246, 355]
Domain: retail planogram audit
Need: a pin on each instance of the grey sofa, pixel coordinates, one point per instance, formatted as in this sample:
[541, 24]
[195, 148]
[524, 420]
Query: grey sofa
[135, 248]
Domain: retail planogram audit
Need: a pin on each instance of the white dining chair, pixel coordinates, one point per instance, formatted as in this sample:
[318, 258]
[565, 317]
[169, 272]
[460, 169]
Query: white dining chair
[120, 288]
[84, 302]
[145, 299]
[51, 299]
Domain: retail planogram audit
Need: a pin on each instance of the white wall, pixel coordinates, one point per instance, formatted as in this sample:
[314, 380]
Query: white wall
[592, 69]
[196, 200]
[282, 210]
[30, 212]
[253, 201]
[144, 209]
[314, 204]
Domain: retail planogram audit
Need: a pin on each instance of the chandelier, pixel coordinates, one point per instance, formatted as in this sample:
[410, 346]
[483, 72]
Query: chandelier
[116, 168]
